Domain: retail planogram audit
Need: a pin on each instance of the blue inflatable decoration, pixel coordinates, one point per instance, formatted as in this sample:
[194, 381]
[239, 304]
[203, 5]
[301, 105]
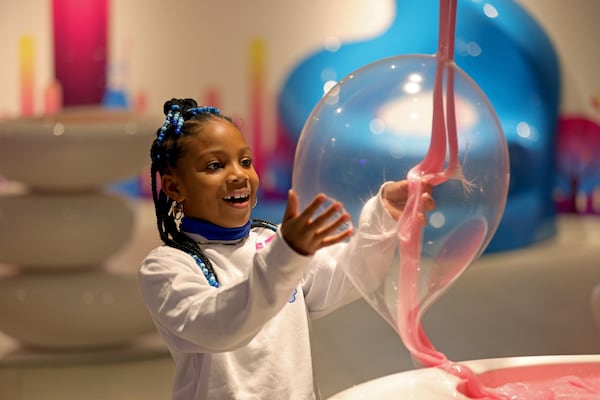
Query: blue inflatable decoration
[504, 50]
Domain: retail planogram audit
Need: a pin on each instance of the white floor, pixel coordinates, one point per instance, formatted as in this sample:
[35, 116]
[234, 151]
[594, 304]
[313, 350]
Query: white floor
[528, 302]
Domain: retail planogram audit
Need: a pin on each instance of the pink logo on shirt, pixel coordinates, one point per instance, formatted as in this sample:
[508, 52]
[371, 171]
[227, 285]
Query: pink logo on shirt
[260, 245]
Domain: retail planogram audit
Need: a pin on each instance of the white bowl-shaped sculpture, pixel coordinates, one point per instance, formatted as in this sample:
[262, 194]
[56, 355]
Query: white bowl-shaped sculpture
[89, 309]
[77, 148]
[418, 384]
[435, 384]
[59, 231]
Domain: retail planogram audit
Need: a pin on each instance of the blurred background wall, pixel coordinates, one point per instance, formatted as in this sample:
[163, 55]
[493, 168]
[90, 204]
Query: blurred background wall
[238, 55]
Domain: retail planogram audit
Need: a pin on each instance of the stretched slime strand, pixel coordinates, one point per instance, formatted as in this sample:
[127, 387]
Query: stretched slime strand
[443, 145]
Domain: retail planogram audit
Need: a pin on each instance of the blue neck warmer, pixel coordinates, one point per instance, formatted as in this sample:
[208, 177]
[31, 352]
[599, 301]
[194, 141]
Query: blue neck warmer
[211, 231]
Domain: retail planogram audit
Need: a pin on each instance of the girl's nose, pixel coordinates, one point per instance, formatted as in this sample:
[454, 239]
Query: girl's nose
[237, 173]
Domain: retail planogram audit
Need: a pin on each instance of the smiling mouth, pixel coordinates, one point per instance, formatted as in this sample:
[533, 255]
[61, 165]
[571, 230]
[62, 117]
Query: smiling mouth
[237, 198]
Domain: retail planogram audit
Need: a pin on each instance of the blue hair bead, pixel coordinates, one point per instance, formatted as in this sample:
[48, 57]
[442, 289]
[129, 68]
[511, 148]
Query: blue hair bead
[209, 275]
[204, 109]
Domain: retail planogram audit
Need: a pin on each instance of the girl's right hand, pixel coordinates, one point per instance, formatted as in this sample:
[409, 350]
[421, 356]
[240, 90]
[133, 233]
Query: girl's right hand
[306, 232]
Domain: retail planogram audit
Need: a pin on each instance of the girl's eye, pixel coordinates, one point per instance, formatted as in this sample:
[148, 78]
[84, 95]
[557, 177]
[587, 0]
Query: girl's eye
[246, 162]
[213, 166]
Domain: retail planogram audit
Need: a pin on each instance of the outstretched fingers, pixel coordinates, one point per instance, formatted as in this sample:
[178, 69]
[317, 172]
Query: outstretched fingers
[291, 207]
[330, 225]
[309, 230]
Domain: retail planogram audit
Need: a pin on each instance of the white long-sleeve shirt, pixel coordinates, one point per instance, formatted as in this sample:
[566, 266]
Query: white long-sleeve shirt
[249, 339]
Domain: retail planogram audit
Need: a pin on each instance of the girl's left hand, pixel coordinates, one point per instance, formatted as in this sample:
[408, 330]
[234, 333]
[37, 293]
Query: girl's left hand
[395, 195]
[308, 230]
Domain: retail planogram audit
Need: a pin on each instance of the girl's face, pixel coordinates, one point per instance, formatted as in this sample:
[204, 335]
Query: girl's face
[215, 179]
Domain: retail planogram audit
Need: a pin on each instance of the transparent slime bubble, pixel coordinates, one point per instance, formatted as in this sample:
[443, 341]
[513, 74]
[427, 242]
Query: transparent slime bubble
[374, 126]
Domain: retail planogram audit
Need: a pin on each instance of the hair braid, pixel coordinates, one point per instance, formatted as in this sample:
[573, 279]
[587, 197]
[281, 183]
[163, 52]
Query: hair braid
[261, 223]
[164, 152]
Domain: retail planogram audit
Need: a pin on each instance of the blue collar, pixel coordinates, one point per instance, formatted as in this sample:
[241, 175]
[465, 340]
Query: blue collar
[211, 231]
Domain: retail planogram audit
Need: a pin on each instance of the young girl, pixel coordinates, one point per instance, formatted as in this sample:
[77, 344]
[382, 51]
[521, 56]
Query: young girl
[232, 296]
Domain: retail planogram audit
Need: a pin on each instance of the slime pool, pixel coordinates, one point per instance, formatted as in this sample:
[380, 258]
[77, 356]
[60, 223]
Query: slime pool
[576, 376]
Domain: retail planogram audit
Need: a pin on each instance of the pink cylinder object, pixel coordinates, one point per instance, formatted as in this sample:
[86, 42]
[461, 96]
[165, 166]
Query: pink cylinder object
[80, 49]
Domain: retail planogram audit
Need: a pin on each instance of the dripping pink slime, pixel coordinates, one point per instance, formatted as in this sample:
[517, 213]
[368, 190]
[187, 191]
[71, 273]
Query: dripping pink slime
[443, 144]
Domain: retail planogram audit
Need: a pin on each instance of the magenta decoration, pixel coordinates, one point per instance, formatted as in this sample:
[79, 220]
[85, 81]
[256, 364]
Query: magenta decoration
[80, 30]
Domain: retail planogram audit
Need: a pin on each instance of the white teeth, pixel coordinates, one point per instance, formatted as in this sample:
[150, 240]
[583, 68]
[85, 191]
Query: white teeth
[236, 196]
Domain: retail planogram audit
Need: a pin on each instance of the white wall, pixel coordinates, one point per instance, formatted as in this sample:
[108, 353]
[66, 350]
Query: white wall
[573, 26]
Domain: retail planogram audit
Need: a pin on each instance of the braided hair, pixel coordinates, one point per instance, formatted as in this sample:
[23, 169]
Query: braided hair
[183, 118]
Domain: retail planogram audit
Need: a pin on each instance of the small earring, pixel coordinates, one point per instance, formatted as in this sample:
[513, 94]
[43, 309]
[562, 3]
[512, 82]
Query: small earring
[255, 202]
[176, 210]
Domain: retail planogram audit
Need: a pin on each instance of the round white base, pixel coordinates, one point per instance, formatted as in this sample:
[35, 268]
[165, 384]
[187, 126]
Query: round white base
[97, 309]
[13, 355]
[142, 370]
[81, 147]
[62, 231]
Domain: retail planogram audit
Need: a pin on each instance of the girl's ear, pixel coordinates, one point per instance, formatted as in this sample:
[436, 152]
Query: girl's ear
[171, 186]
